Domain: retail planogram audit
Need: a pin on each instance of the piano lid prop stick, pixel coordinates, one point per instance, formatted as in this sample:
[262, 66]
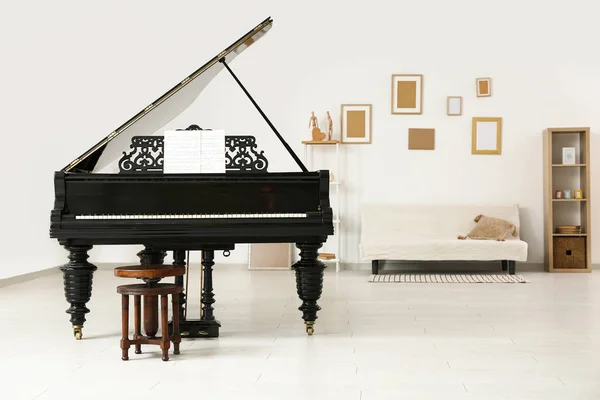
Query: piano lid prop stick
[287, 146]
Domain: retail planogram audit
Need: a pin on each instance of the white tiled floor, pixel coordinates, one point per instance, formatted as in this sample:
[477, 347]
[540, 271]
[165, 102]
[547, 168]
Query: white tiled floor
[372, 342]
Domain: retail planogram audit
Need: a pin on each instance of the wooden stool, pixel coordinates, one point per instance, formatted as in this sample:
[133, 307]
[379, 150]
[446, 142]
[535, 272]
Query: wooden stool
[151, 274]
[158, 289]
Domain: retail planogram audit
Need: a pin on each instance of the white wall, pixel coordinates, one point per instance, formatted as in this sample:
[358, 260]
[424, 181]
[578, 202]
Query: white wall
[72, 72]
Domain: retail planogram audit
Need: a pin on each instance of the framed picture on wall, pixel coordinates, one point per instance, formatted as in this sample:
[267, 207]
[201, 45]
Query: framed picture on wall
[407, 94]
[454, 105]
[484, 87]
[486, 135]
[356, 123]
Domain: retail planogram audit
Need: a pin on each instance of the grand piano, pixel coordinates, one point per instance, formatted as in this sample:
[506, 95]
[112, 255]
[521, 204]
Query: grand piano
[102, 198]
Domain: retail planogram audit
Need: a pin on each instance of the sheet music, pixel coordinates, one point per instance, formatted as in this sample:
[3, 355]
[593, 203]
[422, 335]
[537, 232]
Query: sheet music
[213, 152]
[194, 152]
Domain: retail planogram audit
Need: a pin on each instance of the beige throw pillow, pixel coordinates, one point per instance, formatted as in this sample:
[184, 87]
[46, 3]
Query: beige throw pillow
[490, 228]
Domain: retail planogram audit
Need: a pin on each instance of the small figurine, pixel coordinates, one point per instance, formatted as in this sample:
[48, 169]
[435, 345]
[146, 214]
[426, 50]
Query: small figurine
[317, 135]
[314, 123]
[330, 126]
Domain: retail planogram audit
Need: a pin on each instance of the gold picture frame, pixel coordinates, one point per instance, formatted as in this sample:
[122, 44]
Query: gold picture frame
[486, 137]
[454, 105]
[356, 123]
[407, 94]
[483, 86]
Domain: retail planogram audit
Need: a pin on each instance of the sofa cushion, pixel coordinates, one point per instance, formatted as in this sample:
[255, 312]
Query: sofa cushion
[490, 228]
[445, 249]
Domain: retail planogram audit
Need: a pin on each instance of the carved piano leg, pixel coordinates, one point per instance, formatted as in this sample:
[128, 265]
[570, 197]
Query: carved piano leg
[78, 274]
[309, 282]
[150, 256]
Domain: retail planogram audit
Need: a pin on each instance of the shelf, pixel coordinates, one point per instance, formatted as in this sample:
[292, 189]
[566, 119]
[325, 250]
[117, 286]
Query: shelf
[568, 131]
[569, 200]
[328, 260]
[311, 147]
[571, 270]
[320, 142]
[567, 248]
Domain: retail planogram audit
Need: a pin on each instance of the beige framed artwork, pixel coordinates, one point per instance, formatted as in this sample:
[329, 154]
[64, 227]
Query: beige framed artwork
[486, 135]
[484, 87]
[356, 123]
[454, 105]
[407, 94]
[421, 139]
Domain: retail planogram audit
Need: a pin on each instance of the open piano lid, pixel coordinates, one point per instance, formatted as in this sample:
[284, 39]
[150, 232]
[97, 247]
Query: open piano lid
[164, 109]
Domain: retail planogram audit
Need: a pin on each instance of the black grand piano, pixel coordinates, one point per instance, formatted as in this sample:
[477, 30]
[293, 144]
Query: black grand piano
[105, 197]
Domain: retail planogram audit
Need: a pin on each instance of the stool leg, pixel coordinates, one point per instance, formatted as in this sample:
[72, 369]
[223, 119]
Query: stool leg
[176, 336]
[137, 318]
[164, 344]
[125, 327]
[151, 315]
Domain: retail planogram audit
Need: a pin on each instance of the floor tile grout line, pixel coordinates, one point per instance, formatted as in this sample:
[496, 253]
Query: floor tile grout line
[40, 394]
[81, 366]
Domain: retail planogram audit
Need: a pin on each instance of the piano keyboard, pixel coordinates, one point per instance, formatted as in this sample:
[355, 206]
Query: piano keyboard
[192, 216]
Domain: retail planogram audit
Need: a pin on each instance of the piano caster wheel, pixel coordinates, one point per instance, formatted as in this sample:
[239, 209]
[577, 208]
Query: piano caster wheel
[309, 328]
[77, 332]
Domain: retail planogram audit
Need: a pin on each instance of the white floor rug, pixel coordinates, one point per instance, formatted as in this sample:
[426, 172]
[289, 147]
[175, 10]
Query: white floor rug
[446, 278]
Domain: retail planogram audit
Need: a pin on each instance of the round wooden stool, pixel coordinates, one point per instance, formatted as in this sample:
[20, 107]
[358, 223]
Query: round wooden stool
[151, 275]
[141, 290]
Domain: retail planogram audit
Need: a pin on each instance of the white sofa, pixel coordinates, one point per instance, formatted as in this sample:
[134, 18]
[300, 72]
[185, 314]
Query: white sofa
[429, 232]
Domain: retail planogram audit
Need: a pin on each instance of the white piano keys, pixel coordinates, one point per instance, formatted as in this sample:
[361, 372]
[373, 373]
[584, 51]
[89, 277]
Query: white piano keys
[187, 216]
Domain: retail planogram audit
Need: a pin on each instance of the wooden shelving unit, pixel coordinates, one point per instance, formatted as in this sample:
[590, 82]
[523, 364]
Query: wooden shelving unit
[567, 252]
[334, 191]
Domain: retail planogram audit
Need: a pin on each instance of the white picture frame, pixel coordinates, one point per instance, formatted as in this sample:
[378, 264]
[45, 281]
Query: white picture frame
[407, 94]
[356, 123]
[568, 155]
[486, 135]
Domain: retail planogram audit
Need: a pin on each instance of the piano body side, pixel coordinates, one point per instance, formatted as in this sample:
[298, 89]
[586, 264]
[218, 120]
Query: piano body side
[191, 211]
